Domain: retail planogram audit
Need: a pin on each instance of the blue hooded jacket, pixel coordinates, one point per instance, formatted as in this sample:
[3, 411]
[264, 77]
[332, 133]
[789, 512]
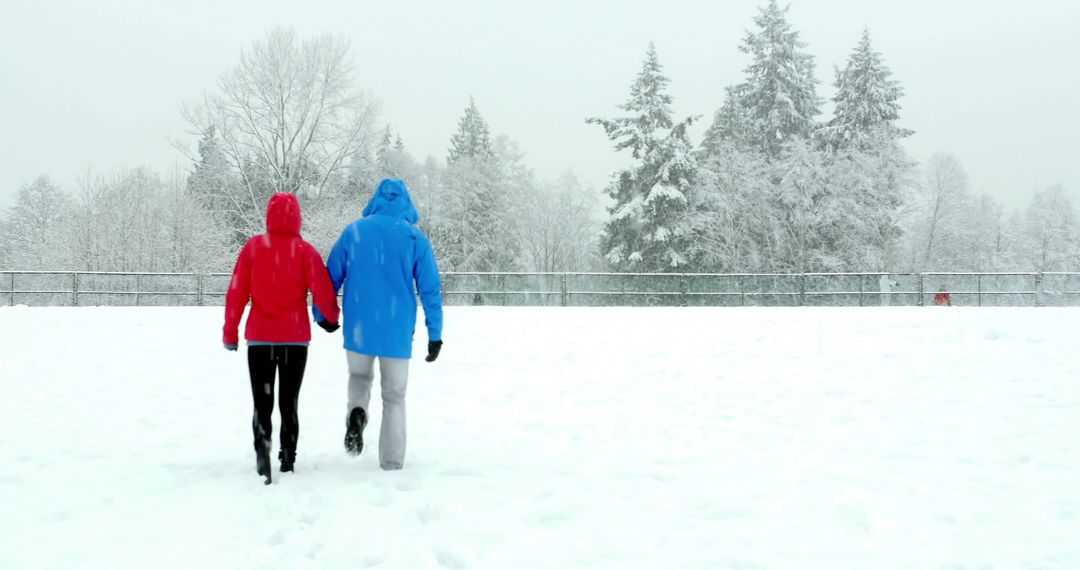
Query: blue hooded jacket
[383, 260]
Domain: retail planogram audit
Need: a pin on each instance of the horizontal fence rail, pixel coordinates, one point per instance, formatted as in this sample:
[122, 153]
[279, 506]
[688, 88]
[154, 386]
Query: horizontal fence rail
[1007, 289]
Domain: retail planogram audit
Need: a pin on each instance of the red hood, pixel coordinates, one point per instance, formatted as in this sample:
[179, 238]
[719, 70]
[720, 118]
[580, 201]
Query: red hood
[283, 214]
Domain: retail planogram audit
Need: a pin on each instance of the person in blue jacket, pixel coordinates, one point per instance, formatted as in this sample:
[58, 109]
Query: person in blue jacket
[383, 260]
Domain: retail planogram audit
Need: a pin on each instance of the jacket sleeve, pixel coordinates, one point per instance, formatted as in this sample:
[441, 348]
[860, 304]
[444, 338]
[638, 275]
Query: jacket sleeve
[322, 291]
[338, 261]
[336, 266]
[237, 297]
[429, 285]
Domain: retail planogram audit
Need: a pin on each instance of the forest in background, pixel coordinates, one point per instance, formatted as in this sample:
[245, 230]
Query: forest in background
[773, 186]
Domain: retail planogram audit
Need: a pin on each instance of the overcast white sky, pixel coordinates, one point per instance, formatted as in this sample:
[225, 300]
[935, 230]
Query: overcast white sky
[99, 83]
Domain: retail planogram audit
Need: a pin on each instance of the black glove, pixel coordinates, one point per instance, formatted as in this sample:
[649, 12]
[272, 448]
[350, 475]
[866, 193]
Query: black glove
[433, 348]
[230, 347]
[328, 327]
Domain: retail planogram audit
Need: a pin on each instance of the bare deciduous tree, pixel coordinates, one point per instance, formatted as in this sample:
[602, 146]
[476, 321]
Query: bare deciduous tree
[287, 118]
[33, 227]
[945, 192]
[1053, 236]
[558, 229]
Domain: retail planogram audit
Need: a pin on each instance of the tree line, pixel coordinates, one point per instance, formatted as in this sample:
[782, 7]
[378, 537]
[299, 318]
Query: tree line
[771, 187]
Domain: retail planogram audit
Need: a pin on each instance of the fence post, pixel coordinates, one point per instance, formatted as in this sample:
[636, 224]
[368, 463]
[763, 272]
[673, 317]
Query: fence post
[742, 290]
[1038, 289]
[74, 289]
[138, 289]
[11, 302]
[861, 289]
[564, 290]
[802, 289]
[920, 280]
[684, 288]
[978, 287]
[199, 279]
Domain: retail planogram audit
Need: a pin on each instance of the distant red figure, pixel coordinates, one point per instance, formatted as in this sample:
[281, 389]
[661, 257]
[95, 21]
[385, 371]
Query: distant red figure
[943, 298]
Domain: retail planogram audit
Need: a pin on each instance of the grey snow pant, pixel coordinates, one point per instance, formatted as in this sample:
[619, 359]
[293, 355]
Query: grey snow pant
[394, 377]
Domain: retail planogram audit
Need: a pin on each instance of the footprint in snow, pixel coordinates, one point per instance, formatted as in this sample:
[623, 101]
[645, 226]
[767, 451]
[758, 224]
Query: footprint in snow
[428, 514]
[449, 559]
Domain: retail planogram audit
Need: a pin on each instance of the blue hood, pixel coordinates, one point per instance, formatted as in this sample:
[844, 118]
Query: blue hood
[392, 199]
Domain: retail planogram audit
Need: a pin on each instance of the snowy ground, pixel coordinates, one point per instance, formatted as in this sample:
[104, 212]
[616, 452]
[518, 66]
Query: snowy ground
[877, 438]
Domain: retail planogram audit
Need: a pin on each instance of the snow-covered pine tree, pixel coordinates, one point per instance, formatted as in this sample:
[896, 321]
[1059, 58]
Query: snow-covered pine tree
[214, 183]
[473, 139]
[383, 150]
[391, 159]
[210, 179]
[866, 160]
[477, 201]
[730, 124]
[867, 101]
[778, 99]
[644, 231]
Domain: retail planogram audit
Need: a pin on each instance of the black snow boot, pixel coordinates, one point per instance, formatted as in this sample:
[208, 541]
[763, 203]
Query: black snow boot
[262, 448]
[262, 461]
[287, 458]
[354, 434]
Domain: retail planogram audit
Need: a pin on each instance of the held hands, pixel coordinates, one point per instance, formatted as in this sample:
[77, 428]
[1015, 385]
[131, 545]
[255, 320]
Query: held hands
[433, 348]
[328, 327]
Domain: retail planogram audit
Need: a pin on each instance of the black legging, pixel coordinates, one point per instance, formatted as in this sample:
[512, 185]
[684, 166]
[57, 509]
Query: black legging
[289, 362]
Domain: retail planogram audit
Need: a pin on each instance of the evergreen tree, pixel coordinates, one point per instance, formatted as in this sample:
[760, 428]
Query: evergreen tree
[867, 100]
[210, 179]
[382, 151]
[472, 139]
[476, 218]
[214, 185]
[391, 161]
[645, 230]
[778, 101]
[731, 124]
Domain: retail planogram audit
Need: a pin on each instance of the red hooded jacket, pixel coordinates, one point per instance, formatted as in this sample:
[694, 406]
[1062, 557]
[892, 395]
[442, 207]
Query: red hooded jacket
[275, 271]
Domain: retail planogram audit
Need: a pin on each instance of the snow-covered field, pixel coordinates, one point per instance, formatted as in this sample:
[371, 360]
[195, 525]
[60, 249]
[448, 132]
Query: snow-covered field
[877, 438]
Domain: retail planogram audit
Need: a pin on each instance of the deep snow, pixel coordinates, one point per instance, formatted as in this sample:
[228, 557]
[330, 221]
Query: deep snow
[876, 438]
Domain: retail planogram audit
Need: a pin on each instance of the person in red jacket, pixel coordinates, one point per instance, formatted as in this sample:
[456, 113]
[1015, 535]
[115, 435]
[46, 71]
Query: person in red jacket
[275, 271]
[943, 298]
